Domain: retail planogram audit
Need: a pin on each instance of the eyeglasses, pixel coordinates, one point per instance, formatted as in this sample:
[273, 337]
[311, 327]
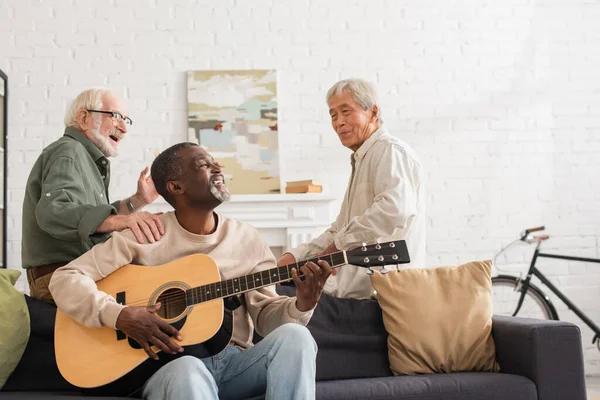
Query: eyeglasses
[116, 116]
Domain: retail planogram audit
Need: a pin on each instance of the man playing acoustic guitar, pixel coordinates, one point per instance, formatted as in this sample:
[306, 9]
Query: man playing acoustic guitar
[282, 365]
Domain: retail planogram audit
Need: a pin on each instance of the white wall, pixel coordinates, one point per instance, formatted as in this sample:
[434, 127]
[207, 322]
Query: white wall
[500, 99]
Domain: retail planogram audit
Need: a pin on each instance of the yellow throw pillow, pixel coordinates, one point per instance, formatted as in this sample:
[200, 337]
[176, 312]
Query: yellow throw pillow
[438, 319]
[14, 324]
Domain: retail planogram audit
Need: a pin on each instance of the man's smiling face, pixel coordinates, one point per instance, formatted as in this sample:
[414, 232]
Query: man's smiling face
[202, 179]
[107, 132]
[350, 121]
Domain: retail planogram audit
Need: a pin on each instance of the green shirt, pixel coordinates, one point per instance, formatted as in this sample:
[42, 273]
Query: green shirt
[66, 198]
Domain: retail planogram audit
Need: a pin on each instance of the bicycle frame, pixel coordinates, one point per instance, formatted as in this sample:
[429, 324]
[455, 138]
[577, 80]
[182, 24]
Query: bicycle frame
[533, 271]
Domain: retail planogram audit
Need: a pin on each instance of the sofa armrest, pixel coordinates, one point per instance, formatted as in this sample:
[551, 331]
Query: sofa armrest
[547, 352]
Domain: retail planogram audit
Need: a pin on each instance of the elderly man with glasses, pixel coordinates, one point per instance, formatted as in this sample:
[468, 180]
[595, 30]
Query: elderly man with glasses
[66, 209]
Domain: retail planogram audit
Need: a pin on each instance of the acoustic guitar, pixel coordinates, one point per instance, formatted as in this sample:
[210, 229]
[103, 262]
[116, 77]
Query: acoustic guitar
[192, 297]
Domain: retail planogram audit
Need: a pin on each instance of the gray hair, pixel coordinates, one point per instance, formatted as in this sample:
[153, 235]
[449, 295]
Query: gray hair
[362, 92]
[88, 99]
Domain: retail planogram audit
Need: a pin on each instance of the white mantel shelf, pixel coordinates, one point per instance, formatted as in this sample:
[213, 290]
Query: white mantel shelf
[284, 220]
[250, 198]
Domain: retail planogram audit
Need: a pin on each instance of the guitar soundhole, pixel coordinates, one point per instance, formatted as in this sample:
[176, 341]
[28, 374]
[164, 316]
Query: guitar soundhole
[172, 303]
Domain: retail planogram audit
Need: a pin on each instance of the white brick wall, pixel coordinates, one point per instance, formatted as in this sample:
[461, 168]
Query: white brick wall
[500, 99]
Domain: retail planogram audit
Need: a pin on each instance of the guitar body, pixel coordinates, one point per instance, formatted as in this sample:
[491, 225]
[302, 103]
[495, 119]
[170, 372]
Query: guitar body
[96, 357]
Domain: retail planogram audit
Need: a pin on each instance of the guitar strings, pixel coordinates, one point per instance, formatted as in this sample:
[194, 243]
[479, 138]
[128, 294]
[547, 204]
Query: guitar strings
[338, 256]
[181, 296]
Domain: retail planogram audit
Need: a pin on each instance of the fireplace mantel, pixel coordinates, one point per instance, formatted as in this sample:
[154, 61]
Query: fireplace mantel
[284, 220]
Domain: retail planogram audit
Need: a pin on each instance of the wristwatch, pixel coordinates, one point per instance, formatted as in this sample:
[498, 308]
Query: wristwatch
[130, 205]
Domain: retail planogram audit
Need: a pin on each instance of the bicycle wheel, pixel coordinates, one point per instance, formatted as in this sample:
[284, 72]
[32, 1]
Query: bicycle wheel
[506, 293]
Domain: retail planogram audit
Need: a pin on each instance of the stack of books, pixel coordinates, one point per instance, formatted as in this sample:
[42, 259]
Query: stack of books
[308, 186]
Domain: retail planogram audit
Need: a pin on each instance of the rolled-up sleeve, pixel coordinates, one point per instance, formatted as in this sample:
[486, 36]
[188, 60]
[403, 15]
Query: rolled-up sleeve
[396, 189]
[62, 211]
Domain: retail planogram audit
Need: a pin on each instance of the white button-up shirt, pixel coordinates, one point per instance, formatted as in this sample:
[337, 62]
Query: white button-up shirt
[385, 201]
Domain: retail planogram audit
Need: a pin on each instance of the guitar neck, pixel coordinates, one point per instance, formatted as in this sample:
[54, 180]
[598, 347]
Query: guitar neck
[256, 280]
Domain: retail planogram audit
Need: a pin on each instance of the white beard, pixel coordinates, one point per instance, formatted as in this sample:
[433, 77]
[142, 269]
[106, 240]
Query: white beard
[221, 196]
[103, 143]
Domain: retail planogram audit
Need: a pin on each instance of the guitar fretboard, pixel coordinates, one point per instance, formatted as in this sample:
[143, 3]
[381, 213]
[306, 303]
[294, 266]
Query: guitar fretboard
[254, 281]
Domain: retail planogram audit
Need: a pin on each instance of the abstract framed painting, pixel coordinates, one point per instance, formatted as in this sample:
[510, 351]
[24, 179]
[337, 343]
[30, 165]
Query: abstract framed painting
[233, 115]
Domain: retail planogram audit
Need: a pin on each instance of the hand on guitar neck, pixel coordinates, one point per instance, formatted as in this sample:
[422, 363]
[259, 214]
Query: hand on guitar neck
[288, 258]
[142, 324]
[308, 291]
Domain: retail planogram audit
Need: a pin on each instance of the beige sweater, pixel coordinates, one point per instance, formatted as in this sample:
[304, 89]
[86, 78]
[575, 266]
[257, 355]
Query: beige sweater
[237, 248]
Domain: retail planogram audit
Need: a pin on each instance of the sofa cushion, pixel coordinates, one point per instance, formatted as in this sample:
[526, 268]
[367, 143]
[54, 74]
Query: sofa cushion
[14, 324]
[350, 335]
[438, 319]
[454, 386]
[37, 369]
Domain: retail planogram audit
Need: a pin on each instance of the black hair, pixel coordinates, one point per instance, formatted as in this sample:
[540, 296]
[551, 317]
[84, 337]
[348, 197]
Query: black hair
[168, 166]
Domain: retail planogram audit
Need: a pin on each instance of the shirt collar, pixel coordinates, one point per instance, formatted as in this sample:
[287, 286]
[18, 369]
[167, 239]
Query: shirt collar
[91, 148]
[209, 238]
[366, 146]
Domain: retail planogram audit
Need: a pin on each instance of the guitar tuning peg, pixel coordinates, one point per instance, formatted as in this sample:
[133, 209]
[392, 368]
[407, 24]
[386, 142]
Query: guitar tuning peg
[370, 271]
[394, 257]
[366, 260]
[384, 270]
[392, 244]
[378, 245]
[380, 258]
[364, 247]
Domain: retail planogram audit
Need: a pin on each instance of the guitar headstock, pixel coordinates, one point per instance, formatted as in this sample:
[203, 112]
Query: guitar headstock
[377, 255]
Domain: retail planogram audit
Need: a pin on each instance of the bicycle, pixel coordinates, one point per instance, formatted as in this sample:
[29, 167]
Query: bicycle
[530, 296]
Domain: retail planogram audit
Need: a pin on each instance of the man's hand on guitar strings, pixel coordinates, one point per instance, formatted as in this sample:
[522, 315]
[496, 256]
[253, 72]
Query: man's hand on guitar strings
[308, 291]
[329, 250]
[142, 325]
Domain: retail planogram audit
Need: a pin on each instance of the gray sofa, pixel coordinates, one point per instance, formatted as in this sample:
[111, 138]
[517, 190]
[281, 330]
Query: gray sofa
[538, 359]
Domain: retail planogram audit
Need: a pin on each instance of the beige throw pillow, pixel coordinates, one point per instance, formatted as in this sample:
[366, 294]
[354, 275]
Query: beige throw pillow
[438, 319]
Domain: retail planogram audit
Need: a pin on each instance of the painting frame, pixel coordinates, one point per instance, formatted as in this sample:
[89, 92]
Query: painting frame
[233, 114]
[4, 164]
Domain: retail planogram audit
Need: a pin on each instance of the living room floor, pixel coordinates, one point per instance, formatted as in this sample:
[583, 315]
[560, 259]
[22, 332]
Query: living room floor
[593, 387]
